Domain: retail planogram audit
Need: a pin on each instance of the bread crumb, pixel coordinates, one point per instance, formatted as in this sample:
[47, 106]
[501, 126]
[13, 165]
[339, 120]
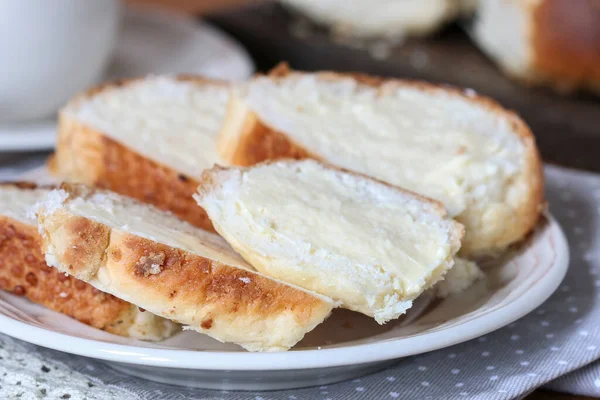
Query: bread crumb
[245, 280]
[53, 201]
[207, 323]
[150, 265]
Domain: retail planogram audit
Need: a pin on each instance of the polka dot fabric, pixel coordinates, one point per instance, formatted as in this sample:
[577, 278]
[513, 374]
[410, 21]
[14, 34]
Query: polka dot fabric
[557, 340]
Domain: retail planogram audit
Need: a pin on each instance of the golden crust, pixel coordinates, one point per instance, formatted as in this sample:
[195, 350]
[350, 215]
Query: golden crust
[247, 146]
[226, 302]
[86, 156]
[565, 41]
[188, 280]
[24, 272]
[86, 243]
[257, 142]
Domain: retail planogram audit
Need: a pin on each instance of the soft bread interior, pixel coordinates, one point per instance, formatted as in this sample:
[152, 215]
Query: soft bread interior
[379, 18]
[459, 150]
[170, 120]
[367, 244]
[208, 286]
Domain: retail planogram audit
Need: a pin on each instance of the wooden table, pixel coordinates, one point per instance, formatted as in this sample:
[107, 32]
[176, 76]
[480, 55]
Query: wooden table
[567, 128]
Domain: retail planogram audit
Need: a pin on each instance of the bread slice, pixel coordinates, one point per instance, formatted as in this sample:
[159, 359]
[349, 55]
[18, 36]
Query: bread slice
[380, 18]
[156, 261]
[146, 138]
[371, 246]
[24, 272]
[544, 42]
[464, 150]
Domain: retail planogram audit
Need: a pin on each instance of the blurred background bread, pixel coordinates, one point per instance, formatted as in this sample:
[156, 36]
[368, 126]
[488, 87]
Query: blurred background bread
[542, 42]
[565, 125]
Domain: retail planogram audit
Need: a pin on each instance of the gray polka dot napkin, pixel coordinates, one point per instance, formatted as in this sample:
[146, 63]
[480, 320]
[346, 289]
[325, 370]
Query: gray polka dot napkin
[554, 346]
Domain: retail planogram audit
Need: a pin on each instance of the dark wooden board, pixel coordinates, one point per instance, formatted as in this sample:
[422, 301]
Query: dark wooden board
[567, 128]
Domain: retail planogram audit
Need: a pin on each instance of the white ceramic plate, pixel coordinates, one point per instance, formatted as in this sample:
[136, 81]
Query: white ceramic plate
[152, 42]
[346, 345]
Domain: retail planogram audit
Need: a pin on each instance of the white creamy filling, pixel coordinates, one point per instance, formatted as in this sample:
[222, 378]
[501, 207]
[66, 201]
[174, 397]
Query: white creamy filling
[171, 122]
[435, 144]
[17, 203]
[335, 219]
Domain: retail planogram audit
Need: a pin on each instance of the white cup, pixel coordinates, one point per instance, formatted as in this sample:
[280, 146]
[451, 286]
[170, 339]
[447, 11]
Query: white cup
[50, 50]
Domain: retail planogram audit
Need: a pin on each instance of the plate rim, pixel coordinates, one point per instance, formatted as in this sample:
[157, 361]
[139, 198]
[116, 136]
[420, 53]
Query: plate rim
[304, 359]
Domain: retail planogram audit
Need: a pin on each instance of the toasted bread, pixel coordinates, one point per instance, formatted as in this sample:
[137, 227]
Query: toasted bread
[546, 42]
[172, 269]
[24, 272]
